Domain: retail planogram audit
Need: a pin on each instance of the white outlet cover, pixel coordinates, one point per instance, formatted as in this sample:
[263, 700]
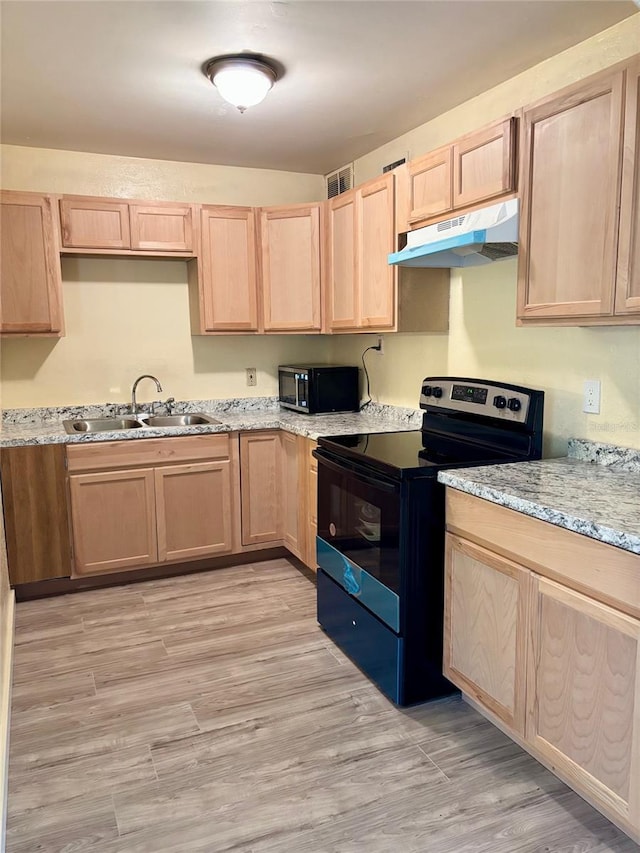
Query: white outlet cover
[591, 397]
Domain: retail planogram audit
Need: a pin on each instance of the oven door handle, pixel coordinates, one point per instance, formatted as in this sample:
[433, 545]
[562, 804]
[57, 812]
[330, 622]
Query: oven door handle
[347, 466]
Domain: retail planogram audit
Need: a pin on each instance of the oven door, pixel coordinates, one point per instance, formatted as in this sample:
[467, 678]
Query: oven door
[359, 534]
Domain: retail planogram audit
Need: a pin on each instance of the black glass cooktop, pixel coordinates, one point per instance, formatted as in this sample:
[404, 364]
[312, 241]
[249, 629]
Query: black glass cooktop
[401, 453]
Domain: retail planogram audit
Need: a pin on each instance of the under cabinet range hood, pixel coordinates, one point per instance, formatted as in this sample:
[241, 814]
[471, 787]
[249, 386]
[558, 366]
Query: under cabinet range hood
[480, 237]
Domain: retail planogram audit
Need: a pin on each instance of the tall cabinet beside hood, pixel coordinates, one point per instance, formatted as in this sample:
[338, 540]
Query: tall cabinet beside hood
[579, 260]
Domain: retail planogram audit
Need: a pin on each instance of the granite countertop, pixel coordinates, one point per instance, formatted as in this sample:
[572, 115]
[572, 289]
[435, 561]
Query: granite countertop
[44, 425]
[595, 490]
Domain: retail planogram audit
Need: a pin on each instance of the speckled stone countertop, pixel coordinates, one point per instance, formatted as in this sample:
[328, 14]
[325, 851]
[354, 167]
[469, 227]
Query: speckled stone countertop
[595, 490]
[44, 426]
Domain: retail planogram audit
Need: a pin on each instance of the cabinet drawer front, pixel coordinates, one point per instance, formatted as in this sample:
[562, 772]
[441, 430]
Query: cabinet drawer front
[94, 224]
[608, 574]
[128, 454]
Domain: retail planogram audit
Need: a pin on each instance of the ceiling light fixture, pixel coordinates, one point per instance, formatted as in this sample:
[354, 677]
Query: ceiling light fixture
[243, 79]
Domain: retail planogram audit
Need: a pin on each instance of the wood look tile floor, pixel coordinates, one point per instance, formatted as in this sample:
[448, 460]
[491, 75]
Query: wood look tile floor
[210, 713]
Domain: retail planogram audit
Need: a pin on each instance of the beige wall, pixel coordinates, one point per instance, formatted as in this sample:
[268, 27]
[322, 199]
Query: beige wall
[127, 317]
[483, 340]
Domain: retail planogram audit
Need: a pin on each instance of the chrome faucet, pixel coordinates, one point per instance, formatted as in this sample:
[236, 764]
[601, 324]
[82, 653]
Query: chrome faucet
[134, 405]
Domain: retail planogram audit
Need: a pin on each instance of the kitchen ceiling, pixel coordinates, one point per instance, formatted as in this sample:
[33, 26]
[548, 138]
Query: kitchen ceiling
[124, 76]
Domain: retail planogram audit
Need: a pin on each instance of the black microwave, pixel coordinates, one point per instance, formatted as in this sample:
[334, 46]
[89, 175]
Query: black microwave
[319, 388]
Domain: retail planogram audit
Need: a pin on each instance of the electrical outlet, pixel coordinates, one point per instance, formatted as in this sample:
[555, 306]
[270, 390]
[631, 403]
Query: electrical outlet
[591, 396]
[251, 376]
[380, 344]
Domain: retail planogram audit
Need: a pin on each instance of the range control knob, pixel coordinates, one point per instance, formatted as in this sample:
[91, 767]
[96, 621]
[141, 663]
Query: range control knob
[427, 390]
[437, 391]
[500, 402]
[514, 404]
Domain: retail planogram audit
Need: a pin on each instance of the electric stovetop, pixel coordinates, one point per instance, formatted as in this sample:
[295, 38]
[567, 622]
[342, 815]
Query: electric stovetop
[409, 454]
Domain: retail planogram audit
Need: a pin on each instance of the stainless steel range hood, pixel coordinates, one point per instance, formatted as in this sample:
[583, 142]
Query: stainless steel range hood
[479, 237]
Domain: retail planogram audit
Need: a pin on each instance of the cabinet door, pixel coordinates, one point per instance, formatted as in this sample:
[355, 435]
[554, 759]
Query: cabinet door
[486, 600]
[162, 227]
[483, 164]
[312, 506]
[31, 286]
[430, 188]
[583, 697]
[376, 235]
[294, 499]
[114, 520]
[229, 269]
[569, 186]
[36, 513]
[628, 280]
[260, 487]
[290, 265]
[93, 223]
[194, 510]
[342, 263]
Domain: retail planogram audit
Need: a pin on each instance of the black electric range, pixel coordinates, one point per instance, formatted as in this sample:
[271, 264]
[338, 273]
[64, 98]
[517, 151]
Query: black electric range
[380, 542]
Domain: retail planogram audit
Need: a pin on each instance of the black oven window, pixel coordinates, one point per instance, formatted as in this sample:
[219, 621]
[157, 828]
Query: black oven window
[362, 521]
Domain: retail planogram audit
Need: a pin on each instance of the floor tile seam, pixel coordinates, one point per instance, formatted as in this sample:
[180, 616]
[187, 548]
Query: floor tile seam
[435, 764]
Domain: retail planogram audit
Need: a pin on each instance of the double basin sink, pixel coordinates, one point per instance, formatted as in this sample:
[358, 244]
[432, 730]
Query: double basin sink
[141, 421]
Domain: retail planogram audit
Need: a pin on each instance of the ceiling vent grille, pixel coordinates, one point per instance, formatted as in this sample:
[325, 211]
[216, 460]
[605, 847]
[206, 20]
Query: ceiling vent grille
[340, 181]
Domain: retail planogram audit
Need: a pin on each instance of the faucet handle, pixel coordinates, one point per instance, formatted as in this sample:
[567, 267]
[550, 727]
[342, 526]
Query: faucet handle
[169, 404]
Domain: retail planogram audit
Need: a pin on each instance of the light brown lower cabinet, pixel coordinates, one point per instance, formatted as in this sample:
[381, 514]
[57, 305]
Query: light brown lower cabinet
[488, 595]
[260, 487]
[555, 667]
[275, 487]
[134, 504]
[114, 520]
[193, 510]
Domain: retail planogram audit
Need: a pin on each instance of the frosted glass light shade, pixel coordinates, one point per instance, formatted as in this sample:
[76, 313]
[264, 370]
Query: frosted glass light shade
[241, 80]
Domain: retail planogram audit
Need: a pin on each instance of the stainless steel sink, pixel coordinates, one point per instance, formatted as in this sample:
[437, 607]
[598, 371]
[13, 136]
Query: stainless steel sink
[100, 425]
[192, 419]
[142, 421]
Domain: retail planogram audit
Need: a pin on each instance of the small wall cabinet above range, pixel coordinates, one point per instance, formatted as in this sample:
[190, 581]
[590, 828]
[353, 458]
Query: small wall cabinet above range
[127, 226]
[476, 168]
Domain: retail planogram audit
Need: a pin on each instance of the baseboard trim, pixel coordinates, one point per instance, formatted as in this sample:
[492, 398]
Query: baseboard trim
[6, 671]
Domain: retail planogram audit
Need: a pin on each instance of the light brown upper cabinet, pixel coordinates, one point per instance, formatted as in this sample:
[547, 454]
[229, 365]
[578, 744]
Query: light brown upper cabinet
[123, 226]
[290, 267]
[627, 299]
[226, 271]
[571, 187]
[360, 234]
[431, 192]
[364, 293]
[474, 169]
[30, 282]
[375, 230]
[484, 164]
[342, 297]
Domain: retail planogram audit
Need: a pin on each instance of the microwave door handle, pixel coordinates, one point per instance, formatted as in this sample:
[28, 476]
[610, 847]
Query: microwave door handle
[348, 467]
